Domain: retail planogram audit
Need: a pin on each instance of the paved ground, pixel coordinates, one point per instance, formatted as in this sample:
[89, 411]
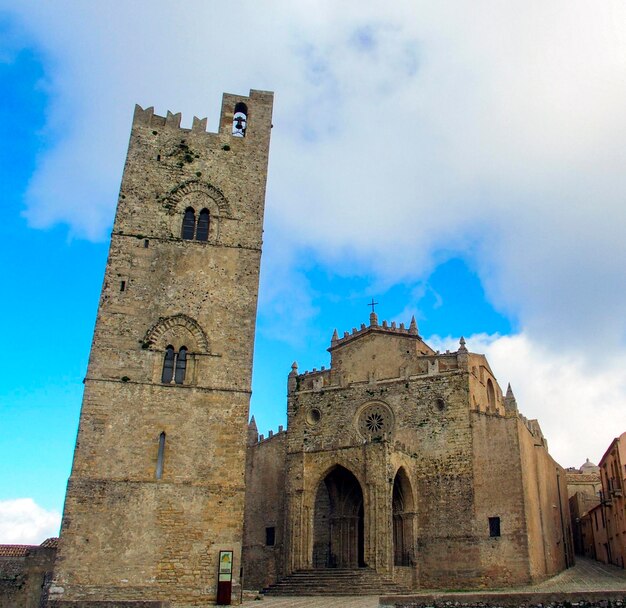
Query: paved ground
[321, 601]
[586, 575]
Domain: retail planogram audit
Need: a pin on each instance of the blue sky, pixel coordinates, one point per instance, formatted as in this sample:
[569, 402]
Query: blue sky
[463, 163]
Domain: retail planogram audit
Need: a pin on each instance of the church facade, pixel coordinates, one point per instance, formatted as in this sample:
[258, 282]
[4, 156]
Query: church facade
[409, 462]
[397, 459]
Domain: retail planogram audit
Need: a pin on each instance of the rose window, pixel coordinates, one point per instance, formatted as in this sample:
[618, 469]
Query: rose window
[375, 421]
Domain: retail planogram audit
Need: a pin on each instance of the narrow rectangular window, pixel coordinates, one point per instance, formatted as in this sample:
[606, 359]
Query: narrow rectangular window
[270, 536]
[160, 456]
[122, 285]
[494, 526]
[146, 242]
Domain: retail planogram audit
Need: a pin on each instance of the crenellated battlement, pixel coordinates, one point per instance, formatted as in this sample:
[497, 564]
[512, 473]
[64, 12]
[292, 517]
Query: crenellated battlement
[271, 434]
[148, 118]
[384, 327]
[249, 108]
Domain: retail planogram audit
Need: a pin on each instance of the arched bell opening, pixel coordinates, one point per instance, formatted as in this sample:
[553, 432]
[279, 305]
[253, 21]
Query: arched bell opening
[338, 530]
[403, 510]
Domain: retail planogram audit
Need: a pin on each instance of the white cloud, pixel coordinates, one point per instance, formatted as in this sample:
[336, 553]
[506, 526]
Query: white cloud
[489, 130]
[579, 403]
[24, 522]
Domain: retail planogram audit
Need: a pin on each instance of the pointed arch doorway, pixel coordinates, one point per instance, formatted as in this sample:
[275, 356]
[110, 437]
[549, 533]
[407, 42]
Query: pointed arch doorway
[403, 509]
[338, 530]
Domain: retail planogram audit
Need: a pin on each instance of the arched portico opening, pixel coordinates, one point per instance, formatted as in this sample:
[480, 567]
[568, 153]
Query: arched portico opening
[338, 531]
[403, 509]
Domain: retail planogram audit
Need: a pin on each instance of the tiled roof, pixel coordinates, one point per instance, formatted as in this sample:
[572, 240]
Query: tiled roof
[22, 550]
[14, 550]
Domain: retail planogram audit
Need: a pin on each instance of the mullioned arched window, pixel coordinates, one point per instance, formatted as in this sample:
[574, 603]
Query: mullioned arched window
[196, 231]
[174, 365]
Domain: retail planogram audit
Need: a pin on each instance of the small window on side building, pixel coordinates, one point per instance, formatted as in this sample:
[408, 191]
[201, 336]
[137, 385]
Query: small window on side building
[270, 536]
[494, 526]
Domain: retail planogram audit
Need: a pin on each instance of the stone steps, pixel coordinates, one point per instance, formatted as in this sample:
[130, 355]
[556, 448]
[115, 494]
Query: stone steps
[335, 581]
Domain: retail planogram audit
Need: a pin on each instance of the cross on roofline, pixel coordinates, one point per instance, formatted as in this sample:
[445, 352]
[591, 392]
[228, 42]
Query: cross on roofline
[372, 304]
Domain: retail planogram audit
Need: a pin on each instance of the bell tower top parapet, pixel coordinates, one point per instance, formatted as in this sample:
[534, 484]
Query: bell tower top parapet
[240, 116]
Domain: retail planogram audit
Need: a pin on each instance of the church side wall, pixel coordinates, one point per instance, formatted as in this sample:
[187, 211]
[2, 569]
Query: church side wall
[546, 504]
[265, 508]
[444, 483]
[499, 493]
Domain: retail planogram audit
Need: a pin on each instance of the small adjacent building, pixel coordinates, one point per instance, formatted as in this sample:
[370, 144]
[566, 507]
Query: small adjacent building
[584, 489]
[25, 574]
[409, 462]
[613, 506]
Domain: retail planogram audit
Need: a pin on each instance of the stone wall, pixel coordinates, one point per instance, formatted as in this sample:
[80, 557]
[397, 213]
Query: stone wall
[265, 508]
[107, 604]
[546, 505]
[586, 599]
[498, 492]
[25, 572]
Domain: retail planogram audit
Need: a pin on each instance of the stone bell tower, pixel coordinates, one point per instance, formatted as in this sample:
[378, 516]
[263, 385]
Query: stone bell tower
[157, 483]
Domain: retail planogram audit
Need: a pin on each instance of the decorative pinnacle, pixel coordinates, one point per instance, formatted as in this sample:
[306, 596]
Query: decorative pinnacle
[509, 399]
[413, 327]
[462, 348]
[294, 369]
[335, 337]
[252, 423]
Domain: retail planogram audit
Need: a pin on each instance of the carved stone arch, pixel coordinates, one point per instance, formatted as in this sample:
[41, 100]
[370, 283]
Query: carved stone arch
[403, 519]
[338, 463]
[190, 187]
[155, 334]
[406, 492]
[338, 520]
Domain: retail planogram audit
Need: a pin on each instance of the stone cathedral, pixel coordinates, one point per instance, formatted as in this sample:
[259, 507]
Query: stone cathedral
[401, 466]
